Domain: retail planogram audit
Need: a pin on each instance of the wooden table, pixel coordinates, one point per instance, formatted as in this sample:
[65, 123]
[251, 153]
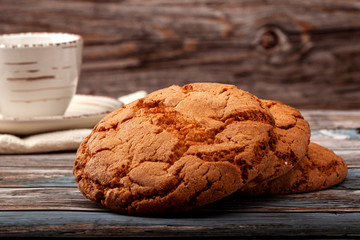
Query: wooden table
[39, 197]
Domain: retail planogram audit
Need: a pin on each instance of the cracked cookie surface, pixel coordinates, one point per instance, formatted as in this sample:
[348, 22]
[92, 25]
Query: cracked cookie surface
[293, 133]
[176, 149]
[320, 168]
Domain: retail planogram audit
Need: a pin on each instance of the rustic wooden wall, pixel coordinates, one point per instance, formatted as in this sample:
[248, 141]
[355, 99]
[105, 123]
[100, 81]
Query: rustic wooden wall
[305, 53]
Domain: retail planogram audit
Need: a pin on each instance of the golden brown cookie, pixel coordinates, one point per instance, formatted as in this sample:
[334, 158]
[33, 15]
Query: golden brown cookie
[293, 133]
[176, 149]
[320, 168]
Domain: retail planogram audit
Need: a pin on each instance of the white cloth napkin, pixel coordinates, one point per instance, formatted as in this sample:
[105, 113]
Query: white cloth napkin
[66, 140]
[44, 142]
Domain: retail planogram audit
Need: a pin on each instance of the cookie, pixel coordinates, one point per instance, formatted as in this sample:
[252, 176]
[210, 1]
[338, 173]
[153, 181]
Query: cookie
[320, 168]
[176, 149]
[293, 133]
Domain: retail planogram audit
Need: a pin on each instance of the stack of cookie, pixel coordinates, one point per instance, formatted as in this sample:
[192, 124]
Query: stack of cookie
[183, 147]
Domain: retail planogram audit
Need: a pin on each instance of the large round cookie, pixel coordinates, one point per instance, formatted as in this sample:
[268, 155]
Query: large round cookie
[293, 133]
[176, 149]
[320, 168]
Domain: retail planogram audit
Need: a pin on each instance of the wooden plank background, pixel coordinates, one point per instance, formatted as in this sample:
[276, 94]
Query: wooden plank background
[304, 53]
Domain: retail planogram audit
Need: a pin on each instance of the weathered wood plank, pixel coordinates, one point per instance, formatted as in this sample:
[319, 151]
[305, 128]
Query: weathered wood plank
[46, 198]
[283, 50]
[38, 160]
[336, 144]
[36, 176]
[330, 119]
[302, 94]
[337, 199]
[352, 158]
[337, 139]
[201, 224]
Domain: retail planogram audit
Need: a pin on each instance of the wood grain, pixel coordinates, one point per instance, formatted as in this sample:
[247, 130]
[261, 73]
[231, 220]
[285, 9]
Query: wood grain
[58, 159]
[304, 53]
[206, 224]
[328, 119]
[37, 176]
[341, 198]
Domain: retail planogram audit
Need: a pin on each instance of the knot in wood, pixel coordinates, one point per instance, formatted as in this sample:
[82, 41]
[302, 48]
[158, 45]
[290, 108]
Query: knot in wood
[269, 40]
[273, 43]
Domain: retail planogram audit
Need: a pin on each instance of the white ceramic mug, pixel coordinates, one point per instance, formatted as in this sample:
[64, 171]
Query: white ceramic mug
[39, 73]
